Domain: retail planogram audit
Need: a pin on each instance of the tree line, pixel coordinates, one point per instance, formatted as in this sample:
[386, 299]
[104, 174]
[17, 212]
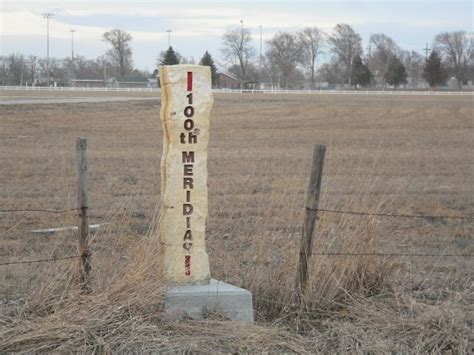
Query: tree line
[117, 61]
[290, 60]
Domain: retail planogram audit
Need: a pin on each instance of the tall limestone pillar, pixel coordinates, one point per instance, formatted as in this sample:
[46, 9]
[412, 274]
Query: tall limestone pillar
[185, 109]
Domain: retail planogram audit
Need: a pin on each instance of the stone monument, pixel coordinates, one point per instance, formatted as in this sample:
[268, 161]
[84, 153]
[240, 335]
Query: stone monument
[185, 109]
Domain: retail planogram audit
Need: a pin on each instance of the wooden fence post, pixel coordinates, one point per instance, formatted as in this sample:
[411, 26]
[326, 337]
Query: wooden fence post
[309, 225]
[85, 261]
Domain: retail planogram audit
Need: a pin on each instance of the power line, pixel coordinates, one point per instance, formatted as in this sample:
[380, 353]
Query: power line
[390, 214]
[426, 50]
[39, 260]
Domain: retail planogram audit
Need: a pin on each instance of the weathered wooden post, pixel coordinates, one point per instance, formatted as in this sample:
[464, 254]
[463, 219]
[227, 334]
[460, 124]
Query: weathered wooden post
[311, 215]
[186, 107]
[83, 242]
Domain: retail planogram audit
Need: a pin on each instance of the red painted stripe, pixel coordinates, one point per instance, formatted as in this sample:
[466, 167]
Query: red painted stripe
[187, 265]
[190, 81]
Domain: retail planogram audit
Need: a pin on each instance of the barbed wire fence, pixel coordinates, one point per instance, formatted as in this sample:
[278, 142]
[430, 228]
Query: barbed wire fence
[311, 217]
[40, 210]
[83, 221]
[306, 250]
[341, 212]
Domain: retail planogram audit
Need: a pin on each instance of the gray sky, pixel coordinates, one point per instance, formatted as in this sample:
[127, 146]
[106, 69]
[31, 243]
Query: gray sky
[198, 25]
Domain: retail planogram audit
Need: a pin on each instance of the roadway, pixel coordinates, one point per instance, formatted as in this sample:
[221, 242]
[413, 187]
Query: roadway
[28, 100]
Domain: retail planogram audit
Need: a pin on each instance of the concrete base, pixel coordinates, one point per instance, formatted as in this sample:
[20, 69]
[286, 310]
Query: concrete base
[197, 301]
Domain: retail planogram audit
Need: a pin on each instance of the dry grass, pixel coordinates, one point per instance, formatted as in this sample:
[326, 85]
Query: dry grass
[401, 155]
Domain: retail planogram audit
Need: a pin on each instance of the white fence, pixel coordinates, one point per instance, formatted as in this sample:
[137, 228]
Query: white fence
[70, 88]
[229, 91]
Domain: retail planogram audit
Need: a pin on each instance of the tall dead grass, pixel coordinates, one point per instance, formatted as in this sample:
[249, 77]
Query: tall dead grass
[352, 304]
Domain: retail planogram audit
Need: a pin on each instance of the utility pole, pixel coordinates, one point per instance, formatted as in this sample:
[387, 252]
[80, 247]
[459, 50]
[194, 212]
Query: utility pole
[426, 49]
[260, 61]
[169, 37]
[47, 16]
[242, 49]
[33, 70]
[72, 52]
[21, 71]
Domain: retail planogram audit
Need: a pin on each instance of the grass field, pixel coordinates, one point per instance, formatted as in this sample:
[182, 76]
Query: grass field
[398, 155]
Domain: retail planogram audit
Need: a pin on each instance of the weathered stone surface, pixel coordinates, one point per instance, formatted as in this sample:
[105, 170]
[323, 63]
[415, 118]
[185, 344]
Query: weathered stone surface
[196, 301]
[186, 105]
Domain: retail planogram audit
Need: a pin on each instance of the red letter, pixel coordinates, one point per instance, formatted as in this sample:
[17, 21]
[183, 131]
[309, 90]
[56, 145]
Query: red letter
[190, 80]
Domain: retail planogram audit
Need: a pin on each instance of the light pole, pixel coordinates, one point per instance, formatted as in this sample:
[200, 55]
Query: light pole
[47, 16]
[21, 71]
[105, 73]
[72, 51]
[260, 61]
[33, 70]
[242, 49]
[169, 37]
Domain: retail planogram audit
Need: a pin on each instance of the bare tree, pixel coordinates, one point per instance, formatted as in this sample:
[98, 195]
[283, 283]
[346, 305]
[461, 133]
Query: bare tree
[120, 55]
[383, 49]
[331, 72]
[238, 50]
[458, 51]
[345, 44]
[87, 68]
[270, 71]
[32, 68]
[285, 51]
[413, 63]
[311, 40]
[13, 69]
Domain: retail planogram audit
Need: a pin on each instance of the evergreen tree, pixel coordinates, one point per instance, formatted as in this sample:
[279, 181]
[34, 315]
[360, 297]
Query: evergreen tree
[396, 73]
[170, 57]
[360, 73]
[433, 71]
[207, 60]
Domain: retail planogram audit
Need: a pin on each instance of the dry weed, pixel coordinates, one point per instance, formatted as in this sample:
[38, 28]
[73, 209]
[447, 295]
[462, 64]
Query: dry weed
[384, 155]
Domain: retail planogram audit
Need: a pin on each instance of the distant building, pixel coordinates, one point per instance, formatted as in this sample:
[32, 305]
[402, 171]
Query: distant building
[269, 86]
[453, 84]
[468, 85]
[415, 83]
[228, 81]
[153, 82]
[128, 82]
[468, 82]
[87, 83]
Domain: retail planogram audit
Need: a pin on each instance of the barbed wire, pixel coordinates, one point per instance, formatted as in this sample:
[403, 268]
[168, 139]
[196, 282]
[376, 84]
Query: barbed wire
[311, 209]
[394, 254]
[389, 214]
[317, 254]
[40, 210]
[40, 260]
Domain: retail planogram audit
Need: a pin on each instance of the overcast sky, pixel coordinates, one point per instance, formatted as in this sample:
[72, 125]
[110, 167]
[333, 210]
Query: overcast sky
[198, 25]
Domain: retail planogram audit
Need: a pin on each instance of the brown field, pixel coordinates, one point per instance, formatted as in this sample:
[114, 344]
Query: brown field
[402, 155]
